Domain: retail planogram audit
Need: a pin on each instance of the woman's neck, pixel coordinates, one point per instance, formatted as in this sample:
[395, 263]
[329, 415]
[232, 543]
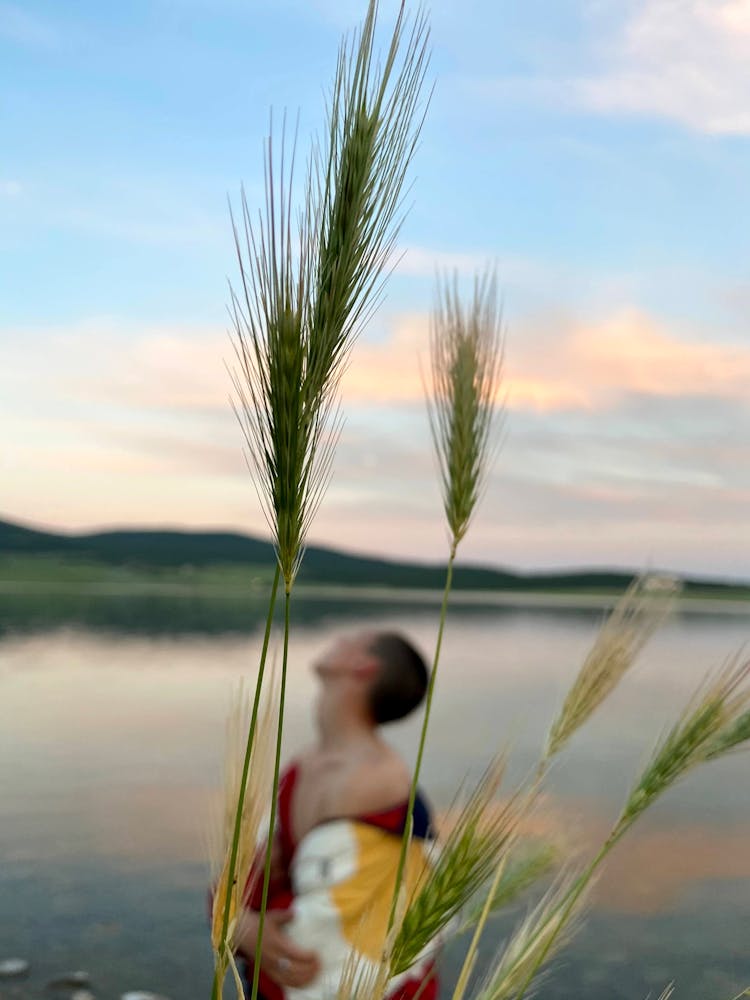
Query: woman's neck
[348, 733]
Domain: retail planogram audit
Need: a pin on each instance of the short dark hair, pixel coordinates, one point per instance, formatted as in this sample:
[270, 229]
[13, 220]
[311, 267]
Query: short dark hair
[401, 681]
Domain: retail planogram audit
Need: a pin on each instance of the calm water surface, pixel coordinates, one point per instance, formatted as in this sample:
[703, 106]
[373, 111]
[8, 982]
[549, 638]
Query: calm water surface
[111, 731]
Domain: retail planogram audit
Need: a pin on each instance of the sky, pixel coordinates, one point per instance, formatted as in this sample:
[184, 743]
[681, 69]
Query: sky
[597, 152]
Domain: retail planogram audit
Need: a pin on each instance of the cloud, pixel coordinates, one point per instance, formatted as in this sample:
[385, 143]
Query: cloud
[736, 300]
[557, 363]
[585, 364]
[29, 30]
[517, 273]
[684, 60]
[424, 262]
[142, 226]
[625, 442]
[107, 363]
[681, 59]
[10, 189]
[343, 14]
[620, 366]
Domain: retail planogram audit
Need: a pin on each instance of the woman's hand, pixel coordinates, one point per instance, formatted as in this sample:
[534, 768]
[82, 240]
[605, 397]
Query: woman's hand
[280, 958]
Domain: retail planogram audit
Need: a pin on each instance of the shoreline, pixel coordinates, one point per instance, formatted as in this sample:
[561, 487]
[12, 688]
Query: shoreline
[552, 600]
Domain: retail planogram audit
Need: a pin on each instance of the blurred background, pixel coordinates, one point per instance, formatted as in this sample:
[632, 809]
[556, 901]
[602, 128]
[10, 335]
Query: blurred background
[597, 153]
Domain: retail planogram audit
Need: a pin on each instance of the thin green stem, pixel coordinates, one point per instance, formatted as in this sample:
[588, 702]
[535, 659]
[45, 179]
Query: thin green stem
[220, 970]
[274, 798]
[423, 737]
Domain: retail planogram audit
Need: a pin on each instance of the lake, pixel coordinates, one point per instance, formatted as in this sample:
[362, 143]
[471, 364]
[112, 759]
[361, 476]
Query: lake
[112, 717]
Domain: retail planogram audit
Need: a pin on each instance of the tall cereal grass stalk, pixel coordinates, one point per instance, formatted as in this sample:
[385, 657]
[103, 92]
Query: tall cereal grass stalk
[303, 295]
[466, 353]
[233, 876]
[713, 723]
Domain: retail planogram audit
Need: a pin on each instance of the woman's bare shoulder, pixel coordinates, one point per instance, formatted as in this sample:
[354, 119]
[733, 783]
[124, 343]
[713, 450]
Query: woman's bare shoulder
[377, 783]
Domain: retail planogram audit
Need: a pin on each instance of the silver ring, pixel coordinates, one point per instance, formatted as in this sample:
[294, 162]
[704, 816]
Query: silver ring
[284, 964]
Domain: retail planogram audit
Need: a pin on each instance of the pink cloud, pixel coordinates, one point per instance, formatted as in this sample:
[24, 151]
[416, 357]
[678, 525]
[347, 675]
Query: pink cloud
[553, 363]
[590, 364]
[557, 364]
[116, 425]
[185, 370]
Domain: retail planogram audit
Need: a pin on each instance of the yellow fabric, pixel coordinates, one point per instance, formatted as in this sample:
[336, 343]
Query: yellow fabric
[363, 900]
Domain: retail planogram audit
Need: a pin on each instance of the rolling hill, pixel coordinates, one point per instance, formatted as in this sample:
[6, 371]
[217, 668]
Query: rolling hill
[147, 552]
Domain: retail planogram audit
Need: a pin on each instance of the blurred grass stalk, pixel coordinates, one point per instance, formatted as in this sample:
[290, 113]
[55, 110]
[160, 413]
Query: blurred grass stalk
[478, 839]
[634, 619]
[466, 355]
[715, 722]
[626, 630]
[304, 294]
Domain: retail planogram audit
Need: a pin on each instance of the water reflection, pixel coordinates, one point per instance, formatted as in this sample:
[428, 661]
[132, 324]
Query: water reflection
[162, 613]
[110, 749]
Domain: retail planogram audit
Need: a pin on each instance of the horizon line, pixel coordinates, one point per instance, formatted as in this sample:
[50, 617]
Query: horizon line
[214, 529]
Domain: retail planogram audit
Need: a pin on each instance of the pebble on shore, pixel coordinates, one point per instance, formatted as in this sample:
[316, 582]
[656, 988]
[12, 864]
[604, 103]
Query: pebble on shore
[10, 968]
[70, 979]
[141, 995]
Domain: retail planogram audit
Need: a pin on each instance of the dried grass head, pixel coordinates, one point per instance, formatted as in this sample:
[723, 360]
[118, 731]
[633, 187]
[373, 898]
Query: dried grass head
[546, 930]
[634, 619]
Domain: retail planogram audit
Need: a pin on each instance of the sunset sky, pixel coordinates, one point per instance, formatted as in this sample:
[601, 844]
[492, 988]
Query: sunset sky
[597, 151]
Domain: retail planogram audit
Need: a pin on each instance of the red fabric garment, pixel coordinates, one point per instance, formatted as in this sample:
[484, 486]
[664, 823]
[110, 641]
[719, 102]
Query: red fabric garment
[414, 988]
[281, 897]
